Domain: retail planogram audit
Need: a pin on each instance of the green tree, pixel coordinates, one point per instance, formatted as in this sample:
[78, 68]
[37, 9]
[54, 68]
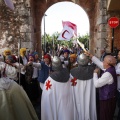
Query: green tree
[84, 39]
[52, 39]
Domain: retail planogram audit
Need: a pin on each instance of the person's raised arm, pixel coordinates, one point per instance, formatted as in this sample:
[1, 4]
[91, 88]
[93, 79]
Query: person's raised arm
[95, 60]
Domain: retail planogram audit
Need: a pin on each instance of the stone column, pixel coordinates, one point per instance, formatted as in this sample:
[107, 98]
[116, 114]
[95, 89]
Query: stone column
[101, 34]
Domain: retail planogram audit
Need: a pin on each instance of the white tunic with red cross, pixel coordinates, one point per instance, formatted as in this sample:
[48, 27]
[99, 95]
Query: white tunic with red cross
[57, 101]
[85, 98]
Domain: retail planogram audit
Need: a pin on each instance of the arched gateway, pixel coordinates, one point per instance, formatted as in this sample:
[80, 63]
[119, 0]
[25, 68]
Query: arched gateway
[28, 15]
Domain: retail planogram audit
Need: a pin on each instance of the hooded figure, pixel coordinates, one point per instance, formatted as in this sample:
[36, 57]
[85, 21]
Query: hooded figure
[84, 89]
[13, 100]
[57, 101]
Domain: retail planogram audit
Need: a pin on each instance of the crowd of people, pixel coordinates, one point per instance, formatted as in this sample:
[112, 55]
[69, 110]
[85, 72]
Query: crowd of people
[72, 85]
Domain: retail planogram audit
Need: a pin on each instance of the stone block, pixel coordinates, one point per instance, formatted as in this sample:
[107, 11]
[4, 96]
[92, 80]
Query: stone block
[103, 12]
[101, 35]
[102, 28]
[103, 4]
[27, 45]
[102, 20]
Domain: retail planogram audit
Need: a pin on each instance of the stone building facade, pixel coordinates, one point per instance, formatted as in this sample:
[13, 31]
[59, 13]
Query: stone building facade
[30, 13]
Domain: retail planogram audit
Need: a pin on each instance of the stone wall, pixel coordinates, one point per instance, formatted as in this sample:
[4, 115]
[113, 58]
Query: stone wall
[30, 31]
[15, 26]
[88, 5]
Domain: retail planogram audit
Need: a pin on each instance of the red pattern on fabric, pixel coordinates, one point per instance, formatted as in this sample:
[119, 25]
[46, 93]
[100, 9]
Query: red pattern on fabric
[74, 81]
[48, 85]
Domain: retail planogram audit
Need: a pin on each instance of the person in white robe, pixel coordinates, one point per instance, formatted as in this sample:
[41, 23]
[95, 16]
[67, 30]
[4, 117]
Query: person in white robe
[84, 89]
[57, 101]
[14, 102]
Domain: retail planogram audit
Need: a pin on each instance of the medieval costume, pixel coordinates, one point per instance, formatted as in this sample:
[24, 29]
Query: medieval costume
[57, 98]
[45, 68]
[12, 67]
[83, 89]
[118, 84]
[65, 58]
[107, 85]
[14, 103]
[8, 52]
[37, 59]
[23, 60]
[32, 85]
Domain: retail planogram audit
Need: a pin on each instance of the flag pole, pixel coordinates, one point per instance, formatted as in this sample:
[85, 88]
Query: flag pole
[81, 45]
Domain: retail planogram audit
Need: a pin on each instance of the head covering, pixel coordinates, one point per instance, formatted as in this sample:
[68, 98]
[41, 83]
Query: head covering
[66, 50]
[73, 56]
[47, 56]
[56, 63]
[7, 51]
[31, 55]
[35, 53]
[22, 50]
[82, 59]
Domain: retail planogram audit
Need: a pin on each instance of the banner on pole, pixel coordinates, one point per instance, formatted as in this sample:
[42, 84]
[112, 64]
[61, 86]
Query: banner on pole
[69, 30]
[71, 25]
[66, 34]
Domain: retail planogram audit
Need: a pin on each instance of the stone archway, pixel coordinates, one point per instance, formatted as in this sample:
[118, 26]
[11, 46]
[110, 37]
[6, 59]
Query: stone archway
[41, 6]
[31, 13]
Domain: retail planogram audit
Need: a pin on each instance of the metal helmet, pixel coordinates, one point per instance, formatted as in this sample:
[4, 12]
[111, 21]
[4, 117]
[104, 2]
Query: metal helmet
[82, 59]
[56, 63]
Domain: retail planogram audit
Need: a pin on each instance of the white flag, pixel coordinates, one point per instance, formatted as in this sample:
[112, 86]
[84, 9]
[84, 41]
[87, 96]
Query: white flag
[10, 4]
[66, 34]
[71, 25]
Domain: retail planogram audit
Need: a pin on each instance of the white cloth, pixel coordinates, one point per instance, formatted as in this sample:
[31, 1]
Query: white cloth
[5, 83]
[36, 67]
[105, 79]
[66, 34]
[20, 67]
[24, 60]
[10, 72]
[98, 62]
[85, 99]
[15, 104]
[117, 67]
[57, 101]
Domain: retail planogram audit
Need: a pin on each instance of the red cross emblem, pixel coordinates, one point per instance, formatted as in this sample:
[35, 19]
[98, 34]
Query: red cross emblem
[48, 85]
[74, 81]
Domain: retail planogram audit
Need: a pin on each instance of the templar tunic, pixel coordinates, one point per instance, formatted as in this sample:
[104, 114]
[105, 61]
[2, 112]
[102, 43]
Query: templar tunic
[57, 98]
[84, 92]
